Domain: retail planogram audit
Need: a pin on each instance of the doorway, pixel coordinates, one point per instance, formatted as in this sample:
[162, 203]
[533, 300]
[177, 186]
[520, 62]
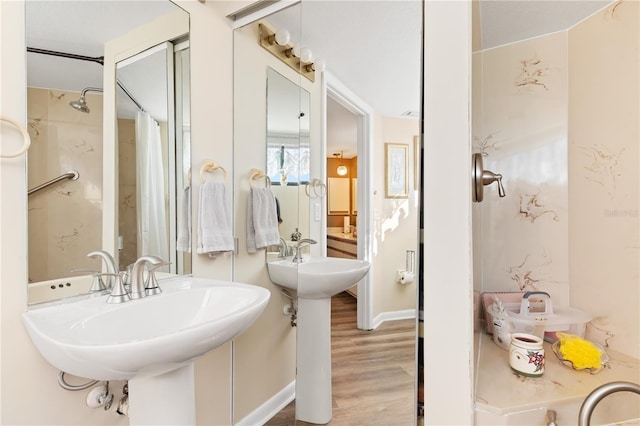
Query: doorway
[355, 110]
[342, 179]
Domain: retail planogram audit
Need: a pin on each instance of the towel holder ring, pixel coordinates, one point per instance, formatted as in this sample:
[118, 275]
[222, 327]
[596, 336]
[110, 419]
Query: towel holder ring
[259, 174]
[211, 166]
[26, 139]
[318, 187]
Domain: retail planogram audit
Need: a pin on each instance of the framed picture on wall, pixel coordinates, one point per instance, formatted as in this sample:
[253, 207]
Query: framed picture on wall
[396, 170]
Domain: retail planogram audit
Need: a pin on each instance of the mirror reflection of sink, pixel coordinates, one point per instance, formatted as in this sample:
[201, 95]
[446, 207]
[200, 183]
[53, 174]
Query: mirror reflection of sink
[317, 277]
[146, 337]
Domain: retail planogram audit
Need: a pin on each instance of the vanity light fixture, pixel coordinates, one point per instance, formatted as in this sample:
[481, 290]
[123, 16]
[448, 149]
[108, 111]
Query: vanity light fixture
[342, 170]
[278, 42]
[282, 37]
[317, 65]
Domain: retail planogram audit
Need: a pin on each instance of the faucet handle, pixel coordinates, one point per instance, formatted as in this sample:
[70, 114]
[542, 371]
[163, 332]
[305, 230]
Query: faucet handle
[118, 293]
[151, 287]
[97, 286]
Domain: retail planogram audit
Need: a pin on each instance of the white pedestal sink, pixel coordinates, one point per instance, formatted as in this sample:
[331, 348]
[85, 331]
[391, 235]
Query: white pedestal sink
[152, 342]
[316, 279]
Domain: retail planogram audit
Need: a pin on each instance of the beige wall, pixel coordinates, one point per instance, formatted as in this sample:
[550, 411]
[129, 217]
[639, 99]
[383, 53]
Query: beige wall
[65, 219]
[557, 116]
[395, 220]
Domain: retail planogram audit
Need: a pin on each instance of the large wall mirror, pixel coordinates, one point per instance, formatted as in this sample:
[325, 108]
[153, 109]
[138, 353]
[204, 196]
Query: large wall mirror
[65, 92]
[272, 133]
[288, 150]
[373, 69]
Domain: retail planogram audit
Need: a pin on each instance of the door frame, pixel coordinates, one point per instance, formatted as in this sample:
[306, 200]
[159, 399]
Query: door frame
[336, 90]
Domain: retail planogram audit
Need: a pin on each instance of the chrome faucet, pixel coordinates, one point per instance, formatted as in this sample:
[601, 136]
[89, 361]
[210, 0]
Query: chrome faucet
[110, 262]
[305, 242]
[598, 394]
[138, 283]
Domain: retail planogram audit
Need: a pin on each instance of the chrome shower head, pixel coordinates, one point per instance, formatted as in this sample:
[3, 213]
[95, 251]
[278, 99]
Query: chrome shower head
[81, 104]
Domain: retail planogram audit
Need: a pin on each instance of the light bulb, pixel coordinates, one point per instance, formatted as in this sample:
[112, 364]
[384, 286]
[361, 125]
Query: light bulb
[342, 170]
[296, 51]
[306, 55]
[282, 37]
[319, 65]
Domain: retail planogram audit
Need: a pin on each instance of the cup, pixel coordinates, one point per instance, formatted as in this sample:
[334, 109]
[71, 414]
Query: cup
[526, 355]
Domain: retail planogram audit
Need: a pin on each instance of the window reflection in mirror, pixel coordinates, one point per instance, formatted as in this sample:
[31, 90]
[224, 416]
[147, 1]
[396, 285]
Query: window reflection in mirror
[66, 218]
[288, 151]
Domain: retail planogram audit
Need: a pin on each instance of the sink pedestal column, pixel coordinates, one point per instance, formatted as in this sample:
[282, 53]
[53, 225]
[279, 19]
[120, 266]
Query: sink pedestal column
[313, 378]
[167, 399]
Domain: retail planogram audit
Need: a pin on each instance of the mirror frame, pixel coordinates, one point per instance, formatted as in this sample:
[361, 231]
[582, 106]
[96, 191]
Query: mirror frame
[169, 27]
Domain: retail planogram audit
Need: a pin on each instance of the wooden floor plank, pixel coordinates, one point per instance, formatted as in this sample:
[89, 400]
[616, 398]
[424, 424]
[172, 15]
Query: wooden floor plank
[373, 372]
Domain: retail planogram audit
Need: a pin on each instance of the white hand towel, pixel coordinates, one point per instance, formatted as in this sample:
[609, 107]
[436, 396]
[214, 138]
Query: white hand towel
[214, 221]
[262, 220]
[183, 242]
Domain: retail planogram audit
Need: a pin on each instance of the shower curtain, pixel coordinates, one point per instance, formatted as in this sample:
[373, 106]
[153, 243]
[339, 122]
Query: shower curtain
[150, 192]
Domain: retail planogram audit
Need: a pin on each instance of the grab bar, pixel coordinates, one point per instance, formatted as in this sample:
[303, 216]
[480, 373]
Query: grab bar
[72, 175]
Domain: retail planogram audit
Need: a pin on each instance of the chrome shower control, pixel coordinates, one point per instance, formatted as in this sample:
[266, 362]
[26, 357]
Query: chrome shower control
[481, 177]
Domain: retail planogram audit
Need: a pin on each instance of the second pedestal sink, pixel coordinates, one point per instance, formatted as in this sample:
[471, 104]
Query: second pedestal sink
[315, 280]
[152, 342]
[317, 277]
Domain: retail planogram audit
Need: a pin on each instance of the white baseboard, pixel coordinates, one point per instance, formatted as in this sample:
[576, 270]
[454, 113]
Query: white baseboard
[266, 411]
[393, 316]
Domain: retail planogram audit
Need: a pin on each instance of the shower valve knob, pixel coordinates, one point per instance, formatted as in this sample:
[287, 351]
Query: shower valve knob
[481, 177]
[488, 177]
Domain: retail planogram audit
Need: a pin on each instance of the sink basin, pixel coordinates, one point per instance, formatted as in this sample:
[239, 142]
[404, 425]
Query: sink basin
[317, 277]
[146, 337]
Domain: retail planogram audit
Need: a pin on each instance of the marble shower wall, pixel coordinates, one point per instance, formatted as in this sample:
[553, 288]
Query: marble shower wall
[65, 220]
[520, 127]
[604, 182]
[557, 116]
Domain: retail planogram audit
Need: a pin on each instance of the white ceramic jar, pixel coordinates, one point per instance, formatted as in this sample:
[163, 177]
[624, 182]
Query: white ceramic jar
[526, 355]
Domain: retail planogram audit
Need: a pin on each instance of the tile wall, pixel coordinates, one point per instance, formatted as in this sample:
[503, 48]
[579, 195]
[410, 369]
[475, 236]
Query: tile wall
[557, 116]
[65, 220]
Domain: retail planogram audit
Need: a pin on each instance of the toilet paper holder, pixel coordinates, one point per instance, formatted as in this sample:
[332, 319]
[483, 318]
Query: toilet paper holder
[408, 275]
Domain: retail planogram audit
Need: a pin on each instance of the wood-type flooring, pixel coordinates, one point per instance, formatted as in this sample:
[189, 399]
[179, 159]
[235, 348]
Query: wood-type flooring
[373, 372]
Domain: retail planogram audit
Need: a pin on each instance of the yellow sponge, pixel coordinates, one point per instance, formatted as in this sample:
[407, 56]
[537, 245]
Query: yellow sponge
[582, 353]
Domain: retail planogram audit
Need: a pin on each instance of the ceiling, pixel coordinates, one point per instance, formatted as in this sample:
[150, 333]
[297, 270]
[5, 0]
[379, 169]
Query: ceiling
[372, 46]
[82, 28]
[506, 21]
[382, 63]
